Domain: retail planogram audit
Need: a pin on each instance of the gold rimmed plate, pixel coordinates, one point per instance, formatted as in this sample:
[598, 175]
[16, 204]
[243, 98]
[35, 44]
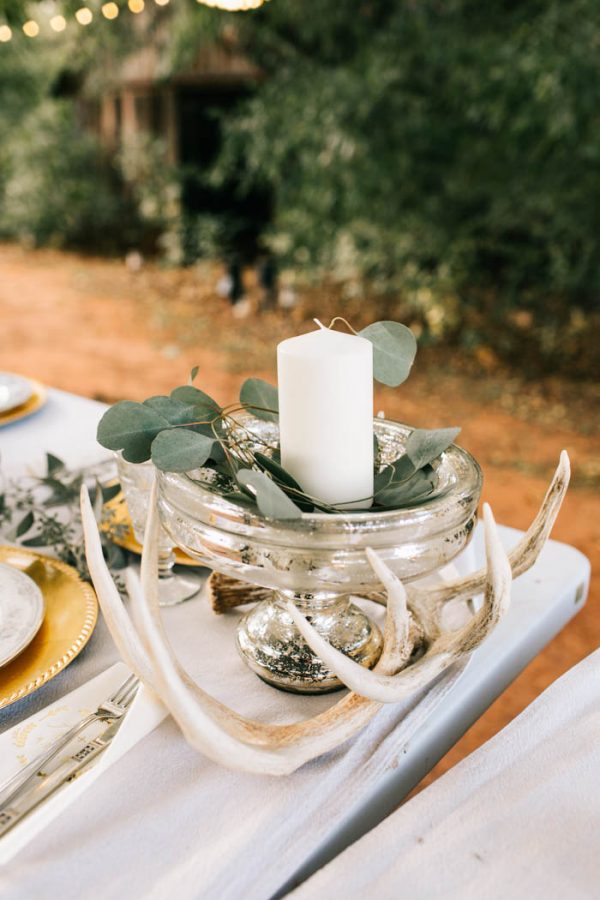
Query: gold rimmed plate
[34, 402]
[70, 618]
[116, 523]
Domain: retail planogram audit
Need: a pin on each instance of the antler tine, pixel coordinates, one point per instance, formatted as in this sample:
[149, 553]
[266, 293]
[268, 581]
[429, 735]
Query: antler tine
[386, 688]
[213, 728]
[119, 624]
[427, 601]
[498, 588]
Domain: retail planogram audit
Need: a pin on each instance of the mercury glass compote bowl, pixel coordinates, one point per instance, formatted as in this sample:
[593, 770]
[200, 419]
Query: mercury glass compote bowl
[318, 560]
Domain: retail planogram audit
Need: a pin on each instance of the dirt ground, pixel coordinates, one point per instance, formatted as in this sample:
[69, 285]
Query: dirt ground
[98, 329]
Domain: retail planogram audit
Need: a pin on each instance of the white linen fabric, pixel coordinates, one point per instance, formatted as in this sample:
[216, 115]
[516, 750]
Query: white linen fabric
[215, 828]
[517, 819]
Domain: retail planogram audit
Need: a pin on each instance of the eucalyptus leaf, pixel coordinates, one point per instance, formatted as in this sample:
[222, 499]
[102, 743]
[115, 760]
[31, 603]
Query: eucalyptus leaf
[424, 445]
[397, 472]
[283, 477]
[394, 350]
[204, 406]
[109, 491]
[180, 450]
[410, 492]
[177, 413]
[39, 540]
[193, 373]
[262, 397]
[276, 470]
[116, 557]
[53, 464]
[24, 525]
[130, 427]
[270, 499]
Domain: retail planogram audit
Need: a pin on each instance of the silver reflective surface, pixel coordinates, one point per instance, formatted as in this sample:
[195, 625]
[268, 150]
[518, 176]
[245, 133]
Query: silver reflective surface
[319, 558]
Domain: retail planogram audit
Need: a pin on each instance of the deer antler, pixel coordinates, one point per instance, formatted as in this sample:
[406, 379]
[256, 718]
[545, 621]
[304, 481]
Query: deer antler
[241, 743]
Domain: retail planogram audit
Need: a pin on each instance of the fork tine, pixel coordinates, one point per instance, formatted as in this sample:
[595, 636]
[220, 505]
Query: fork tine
[128, 698]
[123, 689]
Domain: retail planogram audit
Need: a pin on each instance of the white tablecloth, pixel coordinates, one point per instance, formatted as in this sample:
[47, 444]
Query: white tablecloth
[518, 819]
[164, 821]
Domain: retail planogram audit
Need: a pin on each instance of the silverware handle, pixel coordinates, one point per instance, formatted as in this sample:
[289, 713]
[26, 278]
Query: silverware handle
[20, 778]
[18, 807]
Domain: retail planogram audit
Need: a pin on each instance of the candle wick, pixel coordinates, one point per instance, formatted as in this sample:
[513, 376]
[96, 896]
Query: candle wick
[320, 324]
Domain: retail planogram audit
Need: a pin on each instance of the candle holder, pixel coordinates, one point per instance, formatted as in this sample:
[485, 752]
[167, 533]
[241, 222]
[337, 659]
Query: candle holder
[319, 559]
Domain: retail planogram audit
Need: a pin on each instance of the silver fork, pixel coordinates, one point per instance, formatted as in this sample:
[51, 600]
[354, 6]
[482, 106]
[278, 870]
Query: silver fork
[114, 707]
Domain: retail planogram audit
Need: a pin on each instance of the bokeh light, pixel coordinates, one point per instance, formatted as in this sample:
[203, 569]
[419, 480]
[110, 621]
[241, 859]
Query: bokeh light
[110, 10]
[136, 6]
[84, 15]
[5, 34]
[31, 28]
[58, 23]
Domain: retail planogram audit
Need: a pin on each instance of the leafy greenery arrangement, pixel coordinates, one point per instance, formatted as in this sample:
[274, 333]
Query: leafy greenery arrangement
[43, 512]
[189, 432]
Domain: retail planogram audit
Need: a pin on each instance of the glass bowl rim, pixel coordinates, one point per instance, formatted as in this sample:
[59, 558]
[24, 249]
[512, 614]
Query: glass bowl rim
[460, 458]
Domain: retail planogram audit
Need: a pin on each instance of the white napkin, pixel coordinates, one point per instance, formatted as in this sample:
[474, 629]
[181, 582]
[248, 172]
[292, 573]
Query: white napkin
[516, 819]
[23, 742]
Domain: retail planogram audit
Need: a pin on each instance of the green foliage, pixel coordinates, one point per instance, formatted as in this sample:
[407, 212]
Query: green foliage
[443, 154]
[43, 512]
[261, 397]
[189, 431]
[131, 427]
[411, 478]
[57, 188]
[394, 351]
[270, 498]
[180, 450]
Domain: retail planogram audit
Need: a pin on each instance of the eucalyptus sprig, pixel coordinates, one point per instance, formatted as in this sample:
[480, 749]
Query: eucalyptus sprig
[43, 513]
[188, 431]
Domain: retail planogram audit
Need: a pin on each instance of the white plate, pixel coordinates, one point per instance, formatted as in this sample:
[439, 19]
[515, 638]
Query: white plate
[21, 612]
[14, 391]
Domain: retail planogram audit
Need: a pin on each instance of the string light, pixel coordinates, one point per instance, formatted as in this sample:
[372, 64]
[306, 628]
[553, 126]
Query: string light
[110, 10]
[31, 28]
[58, 23]
[84, 15]
[233, 5]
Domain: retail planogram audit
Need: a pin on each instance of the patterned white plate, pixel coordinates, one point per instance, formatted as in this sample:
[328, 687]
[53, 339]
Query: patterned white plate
[21, 612]
[14, 391]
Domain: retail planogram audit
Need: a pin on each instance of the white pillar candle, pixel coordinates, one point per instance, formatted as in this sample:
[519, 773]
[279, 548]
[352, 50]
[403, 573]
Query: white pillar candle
[326, 415]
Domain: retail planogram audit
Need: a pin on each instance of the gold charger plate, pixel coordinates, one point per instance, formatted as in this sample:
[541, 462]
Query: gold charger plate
[71, 614]
[117, 525]
[35, 402]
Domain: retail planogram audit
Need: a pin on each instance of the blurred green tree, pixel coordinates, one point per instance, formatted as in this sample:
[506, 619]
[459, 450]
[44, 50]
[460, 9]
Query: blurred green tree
[446, 150]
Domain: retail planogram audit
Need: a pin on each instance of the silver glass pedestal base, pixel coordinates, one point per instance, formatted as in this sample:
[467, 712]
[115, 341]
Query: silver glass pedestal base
[271, 645]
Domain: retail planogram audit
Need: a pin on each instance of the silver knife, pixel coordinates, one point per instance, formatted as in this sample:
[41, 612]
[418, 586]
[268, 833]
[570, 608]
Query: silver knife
[17, 808]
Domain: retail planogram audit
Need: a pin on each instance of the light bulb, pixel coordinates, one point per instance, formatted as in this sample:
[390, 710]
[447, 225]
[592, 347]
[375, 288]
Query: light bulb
[84, 15]
[31, 28]
[110, 10]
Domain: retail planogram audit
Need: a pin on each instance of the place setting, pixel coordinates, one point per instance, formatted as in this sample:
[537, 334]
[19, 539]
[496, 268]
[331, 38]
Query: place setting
[19, 397]
[331, 571]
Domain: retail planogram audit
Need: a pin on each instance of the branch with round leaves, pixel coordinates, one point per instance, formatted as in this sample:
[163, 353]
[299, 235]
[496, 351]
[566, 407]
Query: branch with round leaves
[188, 431]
